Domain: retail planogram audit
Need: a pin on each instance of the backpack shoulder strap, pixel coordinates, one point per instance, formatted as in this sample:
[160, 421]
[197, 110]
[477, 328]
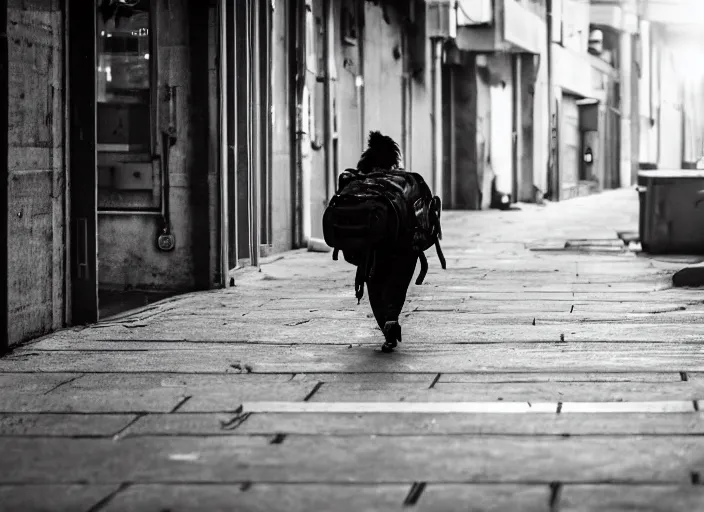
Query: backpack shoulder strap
[423, 268]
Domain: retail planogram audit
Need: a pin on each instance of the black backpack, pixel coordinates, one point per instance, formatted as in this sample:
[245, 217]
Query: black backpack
[388, 210]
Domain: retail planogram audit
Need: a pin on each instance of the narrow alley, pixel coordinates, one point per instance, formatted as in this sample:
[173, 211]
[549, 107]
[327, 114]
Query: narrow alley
[548, 368]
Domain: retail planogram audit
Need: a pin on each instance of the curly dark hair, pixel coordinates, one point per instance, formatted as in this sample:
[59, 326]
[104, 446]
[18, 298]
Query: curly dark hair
[382, 153]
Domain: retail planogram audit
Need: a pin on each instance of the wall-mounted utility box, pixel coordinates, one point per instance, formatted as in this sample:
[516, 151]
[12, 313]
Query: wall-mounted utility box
[672, 211]
[441, 19]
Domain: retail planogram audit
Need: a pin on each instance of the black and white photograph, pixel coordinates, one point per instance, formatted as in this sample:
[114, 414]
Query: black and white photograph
[352, 256]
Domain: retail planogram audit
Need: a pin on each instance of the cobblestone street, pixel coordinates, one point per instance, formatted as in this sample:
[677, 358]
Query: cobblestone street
[532, 376]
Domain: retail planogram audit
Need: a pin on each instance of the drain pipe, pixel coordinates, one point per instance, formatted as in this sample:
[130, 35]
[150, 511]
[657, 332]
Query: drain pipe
[436, 74]
[4, 170]
[553, 152]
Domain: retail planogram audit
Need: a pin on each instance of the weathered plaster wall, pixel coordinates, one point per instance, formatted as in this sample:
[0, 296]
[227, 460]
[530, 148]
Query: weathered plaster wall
[383, 71]
[421, 114]
[36, 188]
[670, 118]
[128, 257]
[348, 67]
[694, 127]
[282, 197]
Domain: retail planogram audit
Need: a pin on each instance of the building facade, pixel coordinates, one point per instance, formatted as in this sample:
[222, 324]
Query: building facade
[154, 146]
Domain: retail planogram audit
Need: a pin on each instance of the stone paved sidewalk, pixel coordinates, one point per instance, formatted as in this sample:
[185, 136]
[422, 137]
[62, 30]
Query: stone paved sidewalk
[532, 376]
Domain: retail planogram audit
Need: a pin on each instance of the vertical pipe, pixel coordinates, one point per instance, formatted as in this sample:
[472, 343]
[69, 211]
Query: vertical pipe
[404, 94]
[329, 96]
[518, 168]
[436, 72]
[255, 148]
[453, 197]
[269, 117]
[224, 164]
[247, 87]
[553, 167]
[4, 175]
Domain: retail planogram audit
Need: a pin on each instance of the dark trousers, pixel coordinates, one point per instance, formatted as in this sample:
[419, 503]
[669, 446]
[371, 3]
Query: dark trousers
[388, 285]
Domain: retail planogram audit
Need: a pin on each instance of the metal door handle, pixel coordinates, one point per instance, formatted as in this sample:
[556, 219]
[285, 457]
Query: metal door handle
[82, 248]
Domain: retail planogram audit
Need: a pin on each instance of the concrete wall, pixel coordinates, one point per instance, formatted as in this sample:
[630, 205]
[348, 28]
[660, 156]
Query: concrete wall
[650, 120]
[395, 67]
[575, 25]
[347, 66]
[37, 172]
[420, 108]
[670, 124]
[383, 71]
[694, 120]
[281, 184]
[127, 254]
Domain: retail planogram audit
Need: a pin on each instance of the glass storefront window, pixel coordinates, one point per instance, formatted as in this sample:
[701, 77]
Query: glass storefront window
[124, 88]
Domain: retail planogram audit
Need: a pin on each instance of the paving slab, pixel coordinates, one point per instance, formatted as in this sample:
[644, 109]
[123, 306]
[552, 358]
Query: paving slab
[364, 459]
[261, 497]
[342, 332]
[69, 425]
[489, 498]
[569, 377]
[525, 378]
[98, 401]
[653, 498]
[410, 358]
[53, 498]
[488, 424]
[515, 392]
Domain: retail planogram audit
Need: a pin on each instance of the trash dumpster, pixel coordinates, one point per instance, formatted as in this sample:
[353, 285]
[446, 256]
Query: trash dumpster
[671, 218]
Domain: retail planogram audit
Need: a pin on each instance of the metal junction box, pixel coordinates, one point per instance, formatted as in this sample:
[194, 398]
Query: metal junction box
[671, 211]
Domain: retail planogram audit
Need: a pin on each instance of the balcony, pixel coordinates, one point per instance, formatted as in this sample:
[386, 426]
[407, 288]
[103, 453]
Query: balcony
[675, 12]
[513, 26]
[580, 73]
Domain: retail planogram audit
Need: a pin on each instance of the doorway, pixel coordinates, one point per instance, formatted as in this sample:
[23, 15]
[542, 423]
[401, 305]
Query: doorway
[138, 76]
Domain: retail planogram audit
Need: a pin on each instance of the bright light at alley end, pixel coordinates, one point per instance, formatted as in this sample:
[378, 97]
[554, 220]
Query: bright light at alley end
[688, 48]
[689, 61]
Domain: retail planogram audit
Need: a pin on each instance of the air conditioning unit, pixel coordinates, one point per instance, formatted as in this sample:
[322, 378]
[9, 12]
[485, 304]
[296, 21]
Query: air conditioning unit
[441, 19]
[474, 12]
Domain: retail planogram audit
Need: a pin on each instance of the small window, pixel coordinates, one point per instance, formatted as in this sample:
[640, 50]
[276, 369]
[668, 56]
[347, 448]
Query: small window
[348, 23]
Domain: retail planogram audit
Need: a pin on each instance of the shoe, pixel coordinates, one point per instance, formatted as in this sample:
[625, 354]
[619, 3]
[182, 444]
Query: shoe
[392, 333]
